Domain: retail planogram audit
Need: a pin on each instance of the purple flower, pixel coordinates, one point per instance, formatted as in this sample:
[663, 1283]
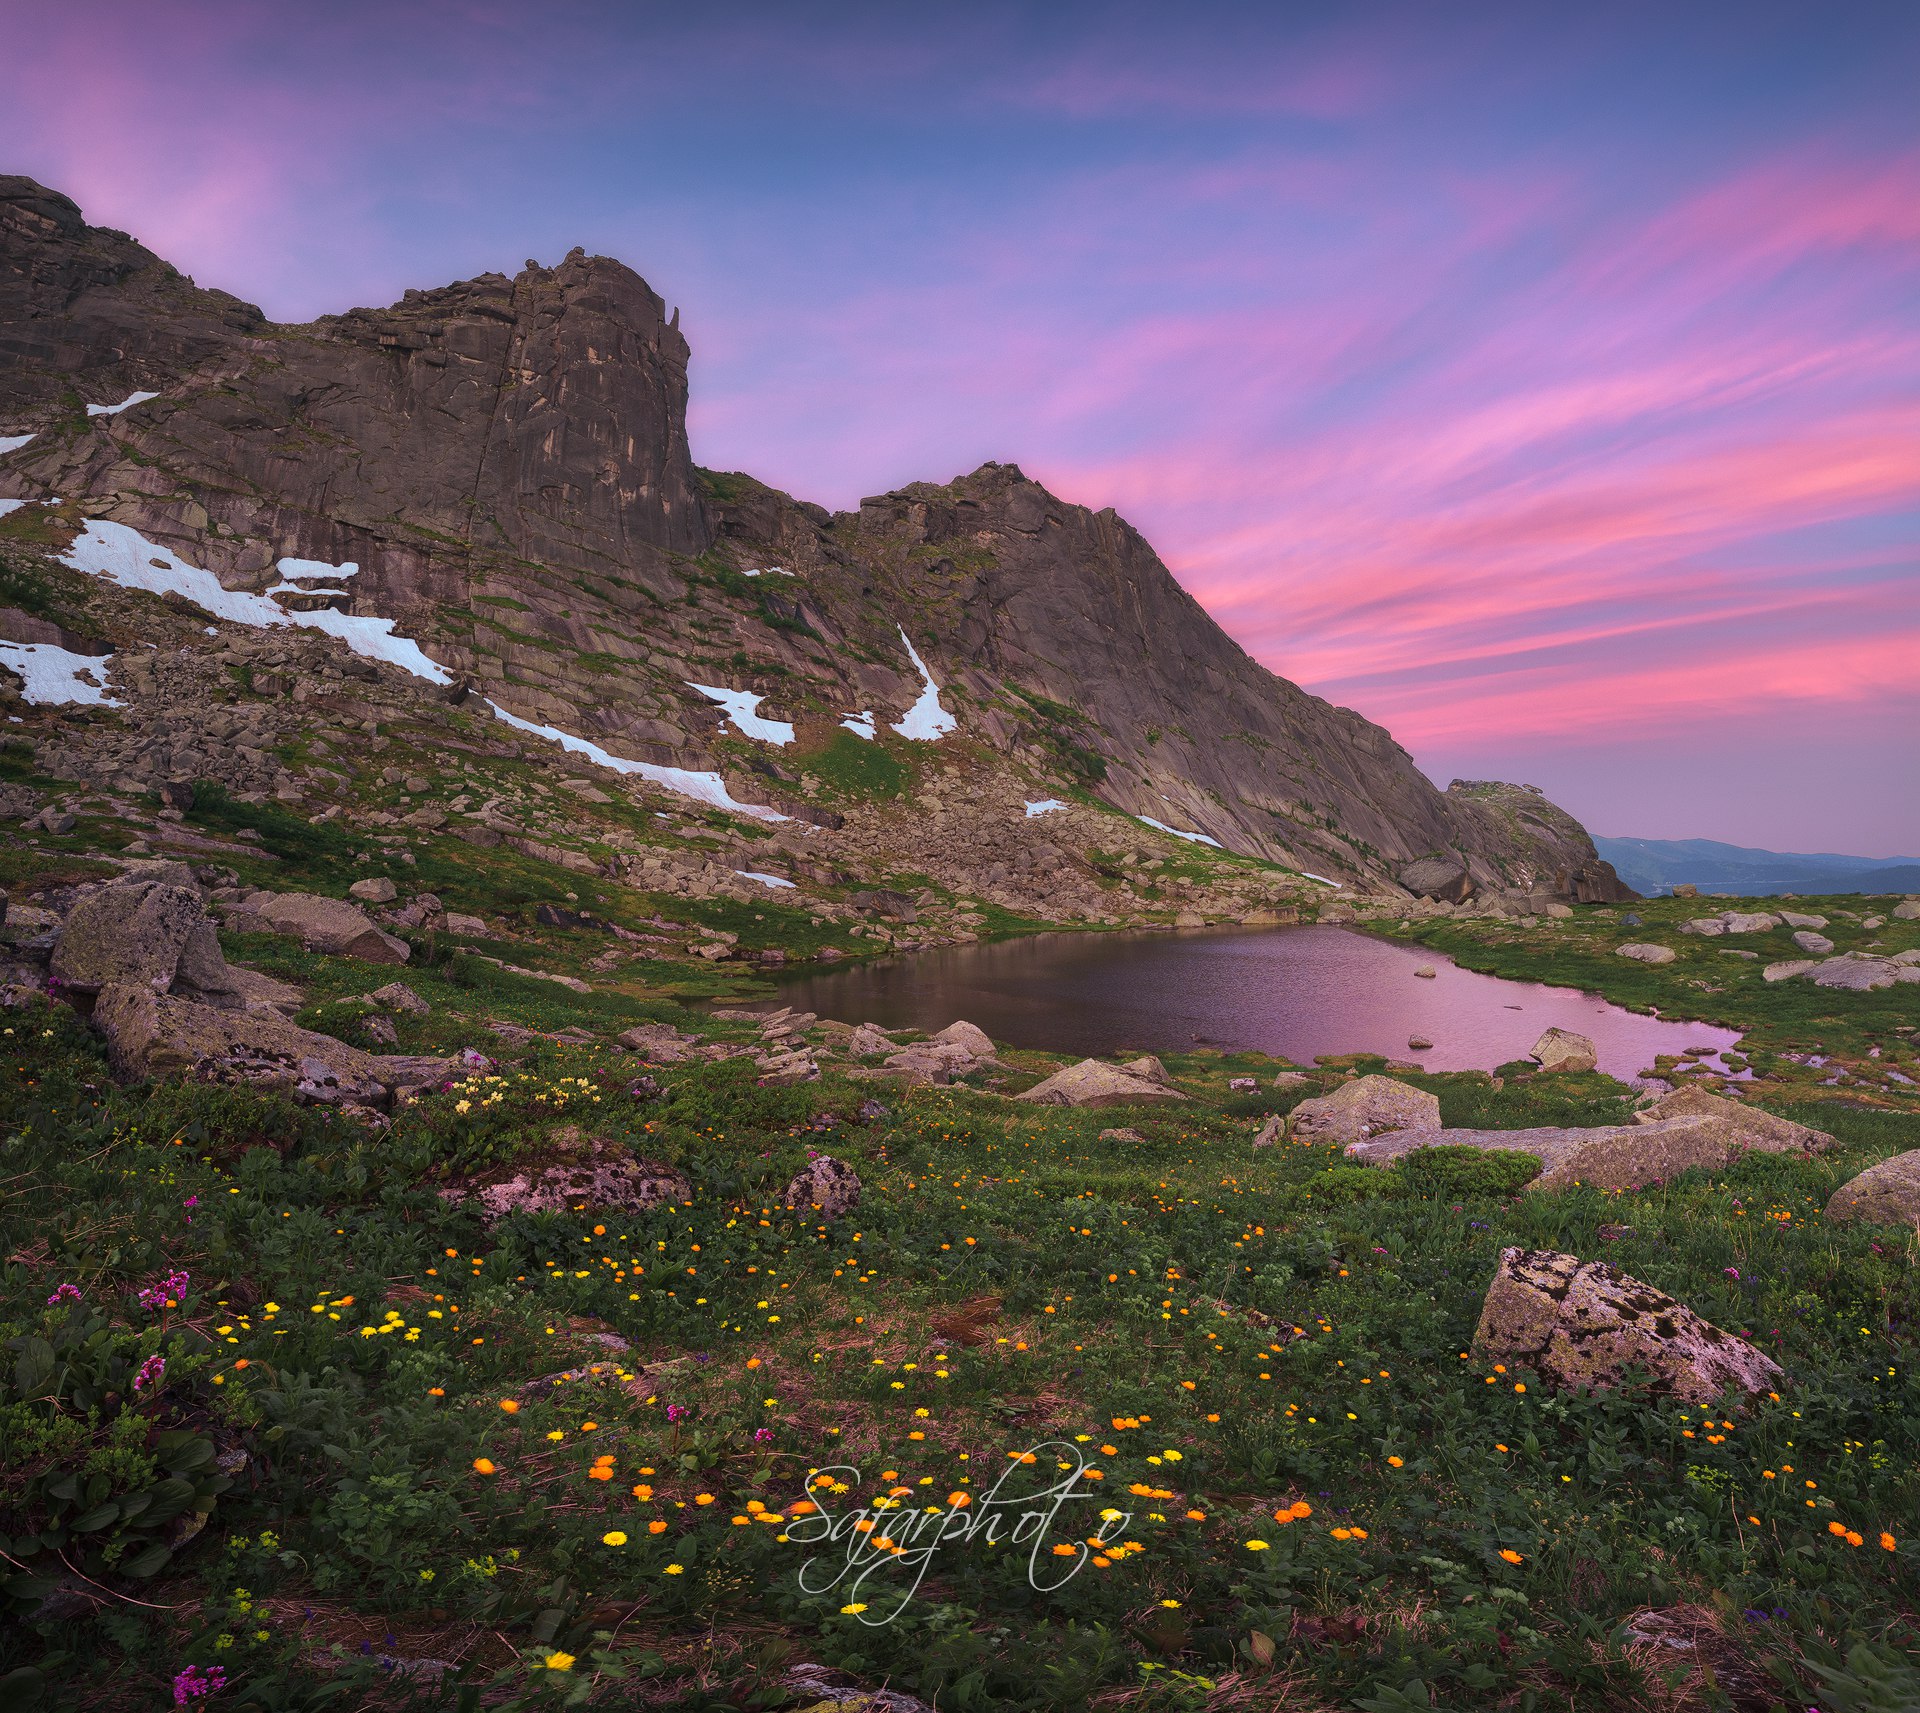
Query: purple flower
[64, 1294]
[677, 1412]
[190, 1204]
[152, 1372]
[762, 1435]
[165, 1291]
[1731, 1272]
[195, 1683]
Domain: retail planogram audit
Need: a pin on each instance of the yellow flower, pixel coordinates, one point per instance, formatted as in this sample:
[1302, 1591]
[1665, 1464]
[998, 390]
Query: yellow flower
[676, 1570]
[613, 1537]
[1256, 1546]
[558, 1662]
[857, 1606]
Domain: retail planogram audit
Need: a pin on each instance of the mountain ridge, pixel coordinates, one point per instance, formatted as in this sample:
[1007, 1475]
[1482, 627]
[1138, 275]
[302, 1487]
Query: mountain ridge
[505, 463]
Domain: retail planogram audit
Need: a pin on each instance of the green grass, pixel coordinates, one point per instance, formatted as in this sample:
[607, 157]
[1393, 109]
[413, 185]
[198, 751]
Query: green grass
[1218, 1330]
[851, 766]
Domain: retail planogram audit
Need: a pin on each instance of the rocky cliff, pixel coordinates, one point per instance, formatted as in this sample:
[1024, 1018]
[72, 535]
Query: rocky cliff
[500, 469]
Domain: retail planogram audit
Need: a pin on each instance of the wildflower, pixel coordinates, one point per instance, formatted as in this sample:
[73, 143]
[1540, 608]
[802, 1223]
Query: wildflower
[656, 1527]
[558, 1662]
[1511, 1556]
[675, 1570]
[152, 1372]
[196, 1683]
[613, 1537]
[1256, 1546]
[1171, 1605]
[1887, 1541]
[64, 1294]
[510, 1405]
[1396, 1462]
[855, 1609]
[485, 1465]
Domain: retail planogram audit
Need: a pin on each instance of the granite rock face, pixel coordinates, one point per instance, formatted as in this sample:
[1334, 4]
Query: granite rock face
[505, 461]
[1583, 1324]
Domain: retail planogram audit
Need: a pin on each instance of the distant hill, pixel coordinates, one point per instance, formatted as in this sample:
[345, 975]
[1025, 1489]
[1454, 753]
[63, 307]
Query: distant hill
[1655, 866]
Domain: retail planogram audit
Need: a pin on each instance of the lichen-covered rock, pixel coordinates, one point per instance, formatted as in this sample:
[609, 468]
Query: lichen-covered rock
[1148, 1065]
[825, 1185]
[1562, 1050]
[141, 932]
[1856, 973]
[397, 996]
[1582, 1325]
[1364, 1108]
[658, 1043]
[1644, 952]
[152, 1035]
[1886, 1194]
[1092, 1083]
[1753, 1127]
[600, 1176]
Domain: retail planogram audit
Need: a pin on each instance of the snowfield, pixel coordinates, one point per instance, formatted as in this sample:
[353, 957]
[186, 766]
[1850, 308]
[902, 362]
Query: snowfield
[740, 706]
[926, 721]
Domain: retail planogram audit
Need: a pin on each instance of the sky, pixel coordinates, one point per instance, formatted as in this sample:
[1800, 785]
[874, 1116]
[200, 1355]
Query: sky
[1542, 382]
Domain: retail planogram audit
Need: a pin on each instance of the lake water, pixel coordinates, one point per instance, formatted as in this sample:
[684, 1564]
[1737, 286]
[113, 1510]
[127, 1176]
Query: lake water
[1292, 992]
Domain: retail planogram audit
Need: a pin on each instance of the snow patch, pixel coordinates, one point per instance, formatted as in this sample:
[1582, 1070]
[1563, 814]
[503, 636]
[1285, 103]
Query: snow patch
[1045, 806]
[126, 403]
[12, 442]
[861, 725]
[764, 879]
[1321, 878]
[740, 705]
[306, 570]
[1192, 838]
[52, 674]
[703, 787]
[10, 506]
[769, 571]
[926, 720]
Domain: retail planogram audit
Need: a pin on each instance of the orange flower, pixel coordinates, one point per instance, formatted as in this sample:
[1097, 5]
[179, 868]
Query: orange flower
[1887, 1541]
[643, 1492]
[656, 1527]
[1396, 1462]
[485, 1465]
[510, 1405]
[1063, 1550]
[1511, 1556]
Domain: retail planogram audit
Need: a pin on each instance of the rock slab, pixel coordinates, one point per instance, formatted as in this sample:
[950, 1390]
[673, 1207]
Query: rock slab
[1366, 1107]
[1092, 1083]
[1582, 1325]
[1886, 1194]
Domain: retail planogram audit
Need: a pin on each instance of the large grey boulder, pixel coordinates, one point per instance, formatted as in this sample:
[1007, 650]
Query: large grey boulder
[1646, 953]
[140, 932]
[151, 1035]
[1808, 941]
[1856, 973]
[1092, 1083]
[1749, 922]
[1366, 1107]
[1750, 1127]
[828, 1187]
[1797, 919]
[977, 1042]
[329, 925]
[1438, 877]
[1709, 926]
[1563, 1050]
[1787, 968]
[1908, 909]
[1884, 1194]
[1582, 1325]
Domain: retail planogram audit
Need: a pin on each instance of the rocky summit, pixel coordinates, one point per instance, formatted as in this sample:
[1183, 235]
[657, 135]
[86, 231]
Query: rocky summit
[369, 566]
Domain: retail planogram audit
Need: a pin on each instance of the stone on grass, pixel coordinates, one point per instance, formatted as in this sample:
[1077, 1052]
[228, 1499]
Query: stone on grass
[1795, 919]
[1367, 1106]
[140, 932]
[1121, 1133]
[1562, 1050]
[1855, 972]
[1091, 1083]
[1753, 1127]
[379, 891]
[1710, 926]
[1644, 953]
[151, 1035]
[968, 1035]
[597, 1175]
[1885, 1194]
[1149, 1066]
[1908, 910]
[329, 925]
[1271, 1133]
[660, 1043]
[1788, 968]
[867, 1039]
[1438, 877]
[1583, 1325]
[397, 996]
[825, 1186]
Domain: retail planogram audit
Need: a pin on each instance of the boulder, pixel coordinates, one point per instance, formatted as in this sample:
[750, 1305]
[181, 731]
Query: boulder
[329, 925]
[1438, 877]
[1686, 889]
[1858, 973]
[1271, 1133]
[1418, 1043]
[868, 1039]
[1908, 910]
[1749, 922]
[1291, 1079]
[1752, 1126]
[1149, 1066]
[151, 1035]
[397, 996]
[1795, 919]
[931, 1061]
[465, 927]
[1582, 1325]
[659, 1043]
[138, 932]
[975, 1040]
[1562, 1050]
[1426, 972]
[600, 1176]
[1710, 926]
[828, 1186]
[1646, 954]
[1886, 1194]
[1091, 1083]
[1788, 968]
[1366, 1107]
[1808, 941]
[1123, 1133]
[380, 891]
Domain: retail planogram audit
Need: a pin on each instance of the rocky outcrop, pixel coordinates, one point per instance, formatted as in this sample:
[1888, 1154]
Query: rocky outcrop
[147, 933]
[328, 925]
[1364, 1108]
[1884, 1194]
[1646, 953]
[150, 1035]
[1092, 1083]
[1582, 1325]
[597, 1176]
[1438, 877]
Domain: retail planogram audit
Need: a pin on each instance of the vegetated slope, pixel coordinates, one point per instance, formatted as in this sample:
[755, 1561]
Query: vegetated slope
[506, 463]
[1657, 865]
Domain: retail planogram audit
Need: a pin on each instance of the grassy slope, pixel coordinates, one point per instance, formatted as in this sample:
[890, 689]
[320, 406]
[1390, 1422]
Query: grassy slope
[1292, 1329]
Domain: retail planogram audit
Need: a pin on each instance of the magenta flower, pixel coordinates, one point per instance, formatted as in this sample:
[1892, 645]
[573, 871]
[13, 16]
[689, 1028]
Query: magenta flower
[152, 1372]
[164, 1291]
[64, 1294]
[195, 1683]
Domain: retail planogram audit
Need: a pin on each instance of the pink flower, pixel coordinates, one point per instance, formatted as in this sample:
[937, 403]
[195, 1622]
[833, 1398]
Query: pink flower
[64, 1294]
[152, 1372]
[195, 1683]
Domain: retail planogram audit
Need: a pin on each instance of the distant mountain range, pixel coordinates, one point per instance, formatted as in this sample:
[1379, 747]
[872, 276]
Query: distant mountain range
[1655, 866]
